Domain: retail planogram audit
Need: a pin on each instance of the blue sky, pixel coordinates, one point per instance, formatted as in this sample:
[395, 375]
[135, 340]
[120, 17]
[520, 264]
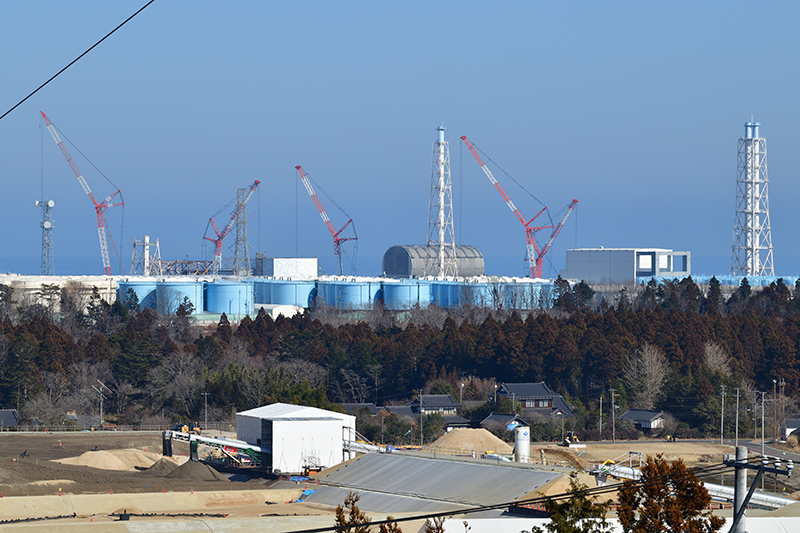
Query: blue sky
[633, 108]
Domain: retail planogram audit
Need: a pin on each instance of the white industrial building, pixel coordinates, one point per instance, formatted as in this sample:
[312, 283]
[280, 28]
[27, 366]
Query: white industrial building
[287, 267]
[625, 265]
[297, 437]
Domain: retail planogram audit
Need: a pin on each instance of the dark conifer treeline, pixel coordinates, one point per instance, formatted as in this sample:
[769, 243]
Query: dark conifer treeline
[579, 348]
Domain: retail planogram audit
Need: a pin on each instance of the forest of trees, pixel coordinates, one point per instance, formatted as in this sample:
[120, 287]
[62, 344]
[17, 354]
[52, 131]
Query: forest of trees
[670, 346]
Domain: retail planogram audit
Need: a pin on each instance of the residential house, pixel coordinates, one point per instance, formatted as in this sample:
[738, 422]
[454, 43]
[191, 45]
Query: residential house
[645, 419]
[537, 400]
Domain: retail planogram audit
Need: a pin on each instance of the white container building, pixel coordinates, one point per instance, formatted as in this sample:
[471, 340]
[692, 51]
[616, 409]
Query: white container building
[297, 437]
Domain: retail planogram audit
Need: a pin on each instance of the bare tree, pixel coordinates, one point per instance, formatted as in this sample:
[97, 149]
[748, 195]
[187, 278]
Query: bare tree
[297, 370]
[176, 380]
[355, 385]
[716, 358]
[644, 372]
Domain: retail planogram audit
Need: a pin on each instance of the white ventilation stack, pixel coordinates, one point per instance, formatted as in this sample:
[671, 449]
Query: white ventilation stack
[441, 234]
[751, 254]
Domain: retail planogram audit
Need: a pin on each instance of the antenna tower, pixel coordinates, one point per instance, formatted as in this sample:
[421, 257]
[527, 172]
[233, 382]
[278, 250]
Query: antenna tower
[241, 252]
[47, 206]
[751, 254]
[441, 234]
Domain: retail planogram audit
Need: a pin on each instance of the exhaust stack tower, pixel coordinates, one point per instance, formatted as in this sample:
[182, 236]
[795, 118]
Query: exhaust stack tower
[751, 254]
[441, 234]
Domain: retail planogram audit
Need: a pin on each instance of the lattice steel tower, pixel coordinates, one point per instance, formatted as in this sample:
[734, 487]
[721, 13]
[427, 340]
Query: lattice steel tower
[47, 268]
[441, 236]
[751, 254]
[241, 252]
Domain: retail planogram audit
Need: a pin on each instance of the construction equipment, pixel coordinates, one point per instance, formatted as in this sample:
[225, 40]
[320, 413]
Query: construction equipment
[240, 206]
[571, 438]
[534, 256]
[99, 207]
[192, 428]
[337, 241]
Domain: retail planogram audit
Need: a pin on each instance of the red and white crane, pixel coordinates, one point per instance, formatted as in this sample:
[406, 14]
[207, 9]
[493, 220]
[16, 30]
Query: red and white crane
[240, 206]
[534, 256]
[99, 207]
[337, 241]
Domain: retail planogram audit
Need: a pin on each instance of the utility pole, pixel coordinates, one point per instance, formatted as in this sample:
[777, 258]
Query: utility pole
[762, 422]
[613, 415]
[722, 418]
[740, 498]
[737, 416]
[600, 426]
[205, 396]
[775, 407]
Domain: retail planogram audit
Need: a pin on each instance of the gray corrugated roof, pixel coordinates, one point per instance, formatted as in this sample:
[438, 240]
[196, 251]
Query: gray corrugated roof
[435, 479]
[376, 502]
[641, 414]
[9, 417]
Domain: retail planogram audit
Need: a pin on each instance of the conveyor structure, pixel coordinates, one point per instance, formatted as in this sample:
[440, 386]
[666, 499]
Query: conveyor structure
[616, 470]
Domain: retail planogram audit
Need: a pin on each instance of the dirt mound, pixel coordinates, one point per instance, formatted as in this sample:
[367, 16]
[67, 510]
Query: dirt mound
[196, 472]
[162, 467]
[471, 440]
[559, 456]
[123, 460]
[46, 482]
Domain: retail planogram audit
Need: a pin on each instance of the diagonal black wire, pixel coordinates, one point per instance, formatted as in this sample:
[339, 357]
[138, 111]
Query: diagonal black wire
[76, 59]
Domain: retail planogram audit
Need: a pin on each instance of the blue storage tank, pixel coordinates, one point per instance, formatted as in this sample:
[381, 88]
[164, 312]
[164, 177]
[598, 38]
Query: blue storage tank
[145, 292]
[288, 292]
[407, 294]
[169, 295]
[262, 291]
[231, 297]
[350, 294]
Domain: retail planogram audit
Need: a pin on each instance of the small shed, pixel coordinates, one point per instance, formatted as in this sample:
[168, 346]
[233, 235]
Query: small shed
[297, 437]
[9, 418]
[645, 418]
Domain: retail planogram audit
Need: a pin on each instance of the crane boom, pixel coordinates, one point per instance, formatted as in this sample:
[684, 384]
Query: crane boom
[556, 231]
[99, 207]
[217, 263]
[337, 241]
[532, 249]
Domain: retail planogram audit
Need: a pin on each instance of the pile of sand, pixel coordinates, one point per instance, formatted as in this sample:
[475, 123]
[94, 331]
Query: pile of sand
[196, 472]
[162, 467]
[471, 440]
[123, 460]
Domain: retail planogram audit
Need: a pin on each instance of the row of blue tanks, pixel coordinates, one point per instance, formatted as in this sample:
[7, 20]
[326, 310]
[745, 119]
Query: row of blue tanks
[240, 297]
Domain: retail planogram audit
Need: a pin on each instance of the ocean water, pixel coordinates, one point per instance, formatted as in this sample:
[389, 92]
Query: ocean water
[63, 266]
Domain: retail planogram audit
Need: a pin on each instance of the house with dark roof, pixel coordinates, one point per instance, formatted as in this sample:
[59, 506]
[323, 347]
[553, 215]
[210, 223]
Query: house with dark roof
[428, 404]
[442, 404]
[355, 408]
[536, 399]
[644, 419]
[508, 421]
[9, 418]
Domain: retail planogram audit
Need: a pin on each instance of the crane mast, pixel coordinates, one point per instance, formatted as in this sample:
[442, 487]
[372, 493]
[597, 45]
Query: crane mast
[99, 207]
[534, 256]
[337, 241]
[240, 206]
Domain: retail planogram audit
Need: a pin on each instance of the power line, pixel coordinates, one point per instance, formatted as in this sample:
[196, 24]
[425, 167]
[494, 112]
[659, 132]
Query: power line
[76, 59]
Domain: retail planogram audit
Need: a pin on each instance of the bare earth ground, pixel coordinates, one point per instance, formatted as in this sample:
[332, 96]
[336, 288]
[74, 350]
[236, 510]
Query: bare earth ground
[95, 475]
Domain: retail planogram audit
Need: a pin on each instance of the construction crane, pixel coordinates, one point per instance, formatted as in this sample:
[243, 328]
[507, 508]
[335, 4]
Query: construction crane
[534, 256]
[99, 207]
[337, 241]
[240, 206]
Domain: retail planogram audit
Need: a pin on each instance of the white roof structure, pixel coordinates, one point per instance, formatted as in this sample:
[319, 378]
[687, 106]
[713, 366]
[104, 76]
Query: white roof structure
[293, 412]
